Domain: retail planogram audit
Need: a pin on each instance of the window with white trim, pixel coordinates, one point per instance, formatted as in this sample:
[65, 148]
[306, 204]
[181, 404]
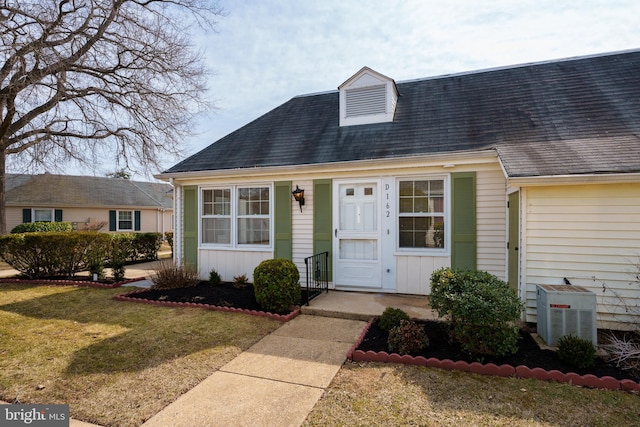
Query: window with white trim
[43, 215]
[125, 220]
[216, 216]
[421, 213]
[236, 216]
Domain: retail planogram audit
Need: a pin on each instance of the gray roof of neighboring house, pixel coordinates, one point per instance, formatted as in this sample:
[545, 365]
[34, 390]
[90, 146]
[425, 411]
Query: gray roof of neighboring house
[86, 191]
[572, 116]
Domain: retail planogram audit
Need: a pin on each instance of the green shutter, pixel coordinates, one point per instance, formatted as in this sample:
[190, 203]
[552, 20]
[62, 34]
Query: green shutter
[322, 219]
[26, 215]
[463, 215]
[58, 215]
[112, 220]
[136, 220]
[283, 244]
[190, 225]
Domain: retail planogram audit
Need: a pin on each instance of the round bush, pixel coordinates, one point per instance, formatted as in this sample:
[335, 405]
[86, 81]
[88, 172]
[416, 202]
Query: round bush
[391, 317]
[276, 284]
[482, 309]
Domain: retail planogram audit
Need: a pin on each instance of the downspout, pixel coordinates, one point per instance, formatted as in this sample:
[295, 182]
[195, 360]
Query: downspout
[177, 216]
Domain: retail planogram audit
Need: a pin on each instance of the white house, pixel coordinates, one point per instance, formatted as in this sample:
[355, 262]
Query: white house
[530, 172]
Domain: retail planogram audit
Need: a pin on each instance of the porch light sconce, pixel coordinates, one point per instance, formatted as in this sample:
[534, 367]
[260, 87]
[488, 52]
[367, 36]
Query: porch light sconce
[298, 195]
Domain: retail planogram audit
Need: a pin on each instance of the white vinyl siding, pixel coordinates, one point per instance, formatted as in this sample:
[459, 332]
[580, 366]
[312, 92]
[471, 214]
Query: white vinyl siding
[589, 234]
[367, 100]
[491, 227]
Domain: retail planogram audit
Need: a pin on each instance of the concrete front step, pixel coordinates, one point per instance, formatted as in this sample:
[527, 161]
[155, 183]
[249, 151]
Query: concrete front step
[364, 305]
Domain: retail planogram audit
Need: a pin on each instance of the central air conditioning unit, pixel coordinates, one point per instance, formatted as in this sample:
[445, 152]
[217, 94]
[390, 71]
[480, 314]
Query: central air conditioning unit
[566, 310]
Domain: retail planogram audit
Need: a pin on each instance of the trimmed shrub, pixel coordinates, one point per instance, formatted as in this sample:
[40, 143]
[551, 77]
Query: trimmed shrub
[146, 246]
[391, 318]
[407, 338]
[214, 278]
[52, 254]
[577, 352]
[168, 275]
[42, 227]
[122, 249]
[482, 309]
[276, 284]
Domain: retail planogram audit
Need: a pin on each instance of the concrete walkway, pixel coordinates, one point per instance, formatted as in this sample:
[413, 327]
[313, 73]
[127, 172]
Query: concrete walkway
[276, 382]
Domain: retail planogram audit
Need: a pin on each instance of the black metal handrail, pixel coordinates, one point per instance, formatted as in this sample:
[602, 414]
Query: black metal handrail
[317, 267]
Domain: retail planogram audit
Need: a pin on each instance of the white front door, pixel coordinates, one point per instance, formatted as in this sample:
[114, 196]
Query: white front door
[356, 249]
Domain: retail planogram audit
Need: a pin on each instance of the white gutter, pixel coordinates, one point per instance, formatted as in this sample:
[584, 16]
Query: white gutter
[457, 159]
[608, 178]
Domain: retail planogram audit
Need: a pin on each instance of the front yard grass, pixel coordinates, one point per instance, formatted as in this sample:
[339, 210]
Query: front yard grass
[376, 394]
[114, 363]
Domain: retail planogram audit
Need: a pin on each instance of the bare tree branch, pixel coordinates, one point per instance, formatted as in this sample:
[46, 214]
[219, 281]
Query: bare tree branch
[80, 76]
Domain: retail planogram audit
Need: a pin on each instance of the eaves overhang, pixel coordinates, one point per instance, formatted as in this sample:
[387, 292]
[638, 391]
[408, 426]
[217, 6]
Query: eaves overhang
[446, 161]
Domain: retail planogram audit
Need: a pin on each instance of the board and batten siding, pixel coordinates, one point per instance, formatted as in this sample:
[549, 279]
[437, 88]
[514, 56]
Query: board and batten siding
[414, 272]
[589, 234]
[230, 263]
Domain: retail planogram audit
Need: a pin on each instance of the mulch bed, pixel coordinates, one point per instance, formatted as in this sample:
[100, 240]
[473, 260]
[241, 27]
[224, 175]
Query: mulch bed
[529, 353]
[224, 297]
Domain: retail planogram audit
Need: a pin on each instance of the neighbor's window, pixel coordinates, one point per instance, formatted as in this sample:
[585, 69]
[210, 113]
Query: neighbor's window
[125, 220]
[236, 216]
[421, 213]
[43, 215]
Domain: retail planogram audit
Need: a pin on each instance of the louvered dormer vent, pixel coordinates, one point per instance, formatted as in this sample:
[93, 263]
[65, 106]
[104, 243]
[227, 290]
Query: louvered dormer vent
[368, 100]
[367, 97]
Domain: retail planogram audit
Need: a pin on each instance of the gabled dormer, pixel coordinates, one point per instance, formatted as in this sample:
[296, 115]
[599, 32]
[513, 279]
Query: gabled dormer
[367, 97]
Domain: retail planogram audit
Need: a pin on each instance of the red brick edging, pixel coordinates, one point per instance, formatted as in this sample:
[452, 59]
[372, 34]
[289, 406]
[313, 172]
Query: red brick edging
[520, 371]
[67, 282]
[282, 317]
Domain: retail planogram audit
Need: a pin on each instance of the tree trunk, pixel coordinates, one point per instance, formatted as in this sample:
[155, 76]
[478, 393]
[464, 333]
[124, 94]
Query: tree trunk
[3, 187]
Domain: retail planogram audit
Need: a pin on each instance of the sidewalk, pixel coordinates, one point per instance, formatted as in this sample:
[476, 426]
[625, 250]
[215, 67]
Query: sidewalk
[276, 382]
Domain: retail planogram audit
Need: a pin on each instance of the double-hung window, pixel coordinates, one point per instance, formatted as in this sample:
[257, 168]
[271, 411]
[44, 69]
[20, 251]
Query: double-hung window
[421, 213]
[236, 216]
[216, 216]
[125, 220]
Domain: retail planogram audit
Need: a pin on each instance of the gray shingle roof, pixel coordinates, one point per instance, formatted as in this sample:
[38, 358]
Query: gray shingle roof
[573, 116]
[86, 191]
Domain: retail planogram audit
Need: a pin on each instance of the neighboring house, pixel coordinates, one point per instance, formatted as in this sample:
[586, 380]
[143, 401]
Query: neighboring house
[86, 201]
[530, 172]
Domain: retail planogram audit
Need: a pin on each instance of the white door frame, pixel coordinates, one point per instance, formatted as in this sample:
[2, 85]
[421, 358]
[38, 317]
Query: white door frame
[358, 273]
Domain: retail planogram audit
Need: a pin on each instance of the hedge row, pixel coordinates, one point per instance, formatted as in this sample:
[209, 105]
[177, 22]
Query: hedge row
[63, 254]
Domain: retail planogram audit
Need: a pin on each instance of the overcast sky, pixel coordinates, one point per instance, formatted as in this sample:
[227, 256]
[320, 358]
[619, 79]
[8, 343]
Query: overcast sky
[267, 51]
